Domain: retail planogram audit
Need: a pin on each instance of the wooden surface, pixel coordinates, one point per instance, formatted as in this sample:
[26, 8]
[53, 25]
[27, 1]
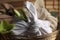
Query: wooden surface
[6, 17]
[50, 5]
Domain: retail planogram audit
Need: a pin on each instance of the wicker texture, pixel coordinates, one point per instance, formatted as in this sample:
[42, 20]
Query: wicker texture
[45, 37]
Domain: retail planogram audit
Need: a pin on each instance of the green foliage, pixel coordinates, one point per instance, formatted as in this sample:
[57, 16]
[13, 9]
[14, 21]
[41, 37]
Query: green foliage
[22, 15]
[5, 27]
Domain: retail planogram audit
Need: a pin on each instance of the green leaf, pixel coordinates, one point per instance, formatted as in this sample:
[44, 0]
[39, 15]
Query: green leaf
[8, 26]
[24, 17]
[17, 13]
[11, 26]
[5, 24]
[2, 27]
[20, 14]
[5, 27]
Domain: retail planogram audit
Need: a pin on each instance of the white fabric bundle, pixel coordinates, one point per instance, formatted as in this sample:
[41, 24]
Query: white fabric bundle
[34, 26]
[20, 28]
[44, 14]
[42, 26]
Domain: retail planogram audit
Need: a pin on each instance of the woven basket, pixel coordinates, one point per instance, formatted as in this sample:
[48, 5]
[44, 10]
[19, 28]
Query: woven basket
[51, 36]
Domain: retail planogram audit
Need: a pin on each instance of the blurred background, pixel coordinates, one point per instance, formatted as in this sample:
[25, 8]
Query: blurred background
[52, 6]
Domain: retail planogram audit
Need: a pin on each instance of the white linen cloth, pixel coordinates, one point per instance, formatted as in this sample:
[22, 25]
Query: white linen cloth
[44, 24]
[34, 26]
